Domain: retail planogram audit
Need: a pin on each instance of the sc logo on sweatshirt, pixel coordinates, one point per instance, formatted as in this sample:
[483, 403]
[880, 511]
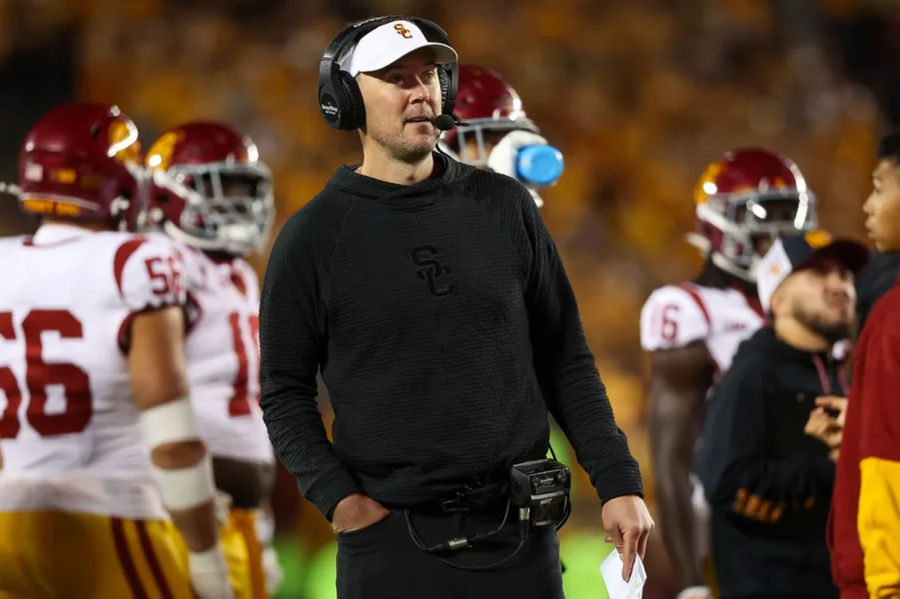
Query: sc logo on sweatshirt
[431, 269]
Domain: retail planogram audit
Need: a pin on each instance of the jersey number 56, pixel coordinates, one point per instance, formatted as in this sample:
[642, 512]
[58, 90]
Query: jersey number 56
[39, 374]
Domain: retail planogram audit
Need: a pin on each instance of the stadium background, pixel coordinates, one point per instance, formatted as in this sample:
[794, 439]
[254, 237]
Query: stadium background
[638, 94]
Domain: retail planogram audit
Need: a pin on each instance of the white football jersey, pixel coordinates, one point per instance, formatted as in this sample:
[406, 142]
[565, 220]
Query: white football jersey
[676, 315]
[70, 435]
[223, 356]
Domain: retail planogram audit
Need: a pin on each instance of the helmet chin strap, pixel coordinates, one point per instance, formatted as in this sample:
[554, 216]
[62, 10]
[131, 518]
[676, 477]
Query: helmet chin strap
[240, 237]
[725, 264]
[698, 241]
[239, 248]
[722, 263]
[734, 233]
[177, 234]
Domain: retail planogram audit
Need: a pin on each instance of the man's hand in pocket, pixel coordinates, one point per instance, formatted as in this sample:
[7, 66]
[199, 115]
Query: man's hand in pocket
[356, 511]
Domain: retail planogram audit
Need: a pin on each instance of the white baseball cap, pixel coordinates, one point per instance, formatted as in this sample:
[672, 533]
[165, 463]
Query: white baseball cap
[388, 43]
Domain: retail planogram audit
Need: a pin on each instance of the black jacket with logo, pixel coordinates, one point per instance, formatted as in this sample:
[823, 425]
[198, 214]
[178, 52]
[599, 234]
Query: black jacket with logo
[768, 483]
[445, 328]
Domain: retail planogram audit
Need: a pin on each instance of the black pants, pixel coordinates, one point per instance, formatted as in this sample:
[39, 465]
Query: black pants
[382, 562]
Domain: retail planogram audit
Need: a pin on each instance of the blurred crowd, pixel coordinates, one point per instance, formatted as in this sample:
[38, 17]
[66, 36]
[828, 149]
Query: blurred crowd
[638, 95]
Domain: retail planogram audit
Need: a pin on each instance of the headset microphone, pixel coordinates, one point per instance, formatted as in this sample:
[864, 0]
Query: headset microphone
[445, 122]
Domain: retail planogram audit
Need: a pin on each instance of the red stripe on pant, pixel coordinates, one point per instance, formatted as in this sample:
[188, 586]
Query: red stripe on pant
[150, 554]
[131, 575]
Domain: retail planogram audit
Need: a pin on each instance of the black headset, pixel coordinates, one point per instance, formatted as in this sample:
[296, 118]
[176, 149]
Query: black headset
[340, 100]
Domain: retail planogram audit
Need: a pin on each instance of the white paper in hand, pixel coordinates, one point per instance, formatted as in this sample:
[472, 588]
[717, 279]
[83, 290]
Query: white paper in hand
[611, 570]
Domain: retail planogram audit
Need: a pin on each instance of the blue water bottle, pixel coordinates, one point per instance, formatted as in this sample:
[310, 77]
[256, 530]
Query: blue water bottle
[539, 164]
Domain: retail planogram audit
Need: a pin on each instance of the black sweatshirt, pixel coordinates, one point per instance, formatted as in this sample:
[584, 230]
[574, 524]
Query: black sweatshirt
[444, 326]
[754, 452]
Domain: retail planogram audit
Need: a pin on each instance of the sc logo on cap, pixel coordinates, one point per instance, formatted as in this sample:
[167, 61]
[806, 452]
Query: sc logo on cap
[402, 31]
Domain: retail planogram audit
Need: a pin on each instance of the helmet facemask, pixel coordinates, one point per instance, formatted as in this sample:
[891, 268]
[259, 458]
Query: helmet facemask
[227, 206]
[737, 228]
[486, 131]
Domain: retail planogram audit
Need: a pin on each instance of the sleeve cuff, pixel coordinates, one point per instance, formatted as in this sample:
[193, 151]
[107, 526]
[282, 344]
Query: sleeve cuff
[330, 489]
[619, 480]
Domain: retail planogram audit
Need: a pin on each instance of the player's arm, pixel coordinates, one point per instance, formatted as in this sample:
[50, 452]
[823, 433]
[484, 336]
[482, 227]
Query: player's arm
[149, 275]
[674, 328]
[878, 520]
[180, 461]
[678, 383]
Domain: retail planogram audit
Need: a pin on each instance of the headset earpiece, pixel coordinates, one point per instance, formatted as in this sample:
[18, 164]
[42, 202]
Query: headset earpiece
[444, 78]
[337, 90]
[449, 77]
[354, 115]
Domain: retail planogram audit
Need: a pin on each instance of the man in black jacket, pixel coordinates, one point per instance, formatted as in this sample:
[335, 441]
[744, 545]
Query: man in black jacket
[431, 297]
[769, 484]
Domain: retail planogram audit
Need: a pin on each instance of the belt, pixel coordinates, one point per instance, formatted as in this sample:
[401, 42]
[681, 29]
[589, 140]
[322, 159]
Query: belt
[469, 498]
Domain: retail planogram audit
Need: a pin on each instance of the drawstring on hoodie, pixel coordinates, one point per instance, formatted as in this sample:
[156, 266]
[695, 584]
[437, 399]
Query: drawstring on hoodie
[823, 376]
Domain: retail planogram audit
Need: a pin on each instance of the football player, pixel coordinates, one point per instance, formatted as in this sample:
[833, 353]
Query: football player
[210, 192]
[693, 329]
[97, 430]
[494, 125]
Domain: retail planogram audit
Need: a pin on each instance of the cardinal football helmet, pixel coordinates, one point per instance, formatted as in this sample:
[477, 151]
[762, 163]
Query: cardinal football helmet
[485, 102]
[82, 162]
[748, 194]
[208, 188]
